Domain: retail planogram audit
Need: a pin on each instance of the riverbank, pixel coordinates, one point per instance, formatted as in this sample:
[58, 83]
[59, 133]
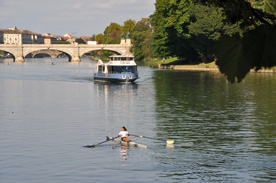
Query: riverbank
[202, 68]
[175, 64]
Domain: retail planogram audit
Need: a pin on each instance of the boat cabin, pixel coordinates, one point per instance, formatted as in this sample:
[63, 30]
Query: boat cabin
[118, 64]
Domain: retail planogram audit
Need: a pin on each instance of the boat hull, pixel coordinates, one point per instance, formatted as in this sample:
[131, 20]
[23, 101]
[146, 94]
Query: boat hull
[115, 77]
[131, 144]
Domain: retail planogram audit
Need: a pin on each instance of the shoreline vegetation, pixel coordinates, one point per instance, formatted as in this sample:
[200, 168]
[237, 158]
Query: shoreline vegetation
[180, 64]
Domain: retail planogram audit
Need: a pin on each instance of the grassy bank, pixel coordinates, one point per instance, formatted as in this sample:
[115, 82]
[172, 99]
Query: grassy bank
[175, 61]
[169, 61]
[180, 64]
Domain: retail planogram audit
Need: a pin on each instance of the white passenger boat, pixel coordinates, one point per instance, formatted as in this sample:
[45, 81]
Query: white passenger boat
[119, 69]
[131, 143]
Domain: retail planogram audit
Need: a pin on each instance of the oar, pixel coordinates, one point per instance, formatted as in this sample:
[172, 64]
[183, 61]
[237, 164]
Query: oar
[94, 145]
[141, 136]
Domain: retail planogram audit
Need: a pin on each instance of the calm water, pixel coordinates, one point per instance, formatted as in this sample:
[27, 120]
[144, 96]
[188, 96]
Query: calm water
[223, 132]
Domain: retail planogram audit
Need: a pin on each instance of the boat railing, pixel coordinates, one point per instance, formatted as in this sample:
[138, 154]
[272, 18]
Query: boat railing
[122, 62]
[114, 72]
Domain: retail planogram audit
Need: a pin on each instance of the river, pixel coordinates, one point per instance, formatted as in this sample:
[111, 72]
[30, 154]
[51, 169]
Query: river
[223, 132]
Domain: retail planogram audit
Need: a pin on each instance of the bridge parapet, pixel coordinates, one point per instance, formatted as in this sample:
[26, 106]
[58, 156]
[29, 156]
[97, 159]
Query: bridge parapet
[74, 51]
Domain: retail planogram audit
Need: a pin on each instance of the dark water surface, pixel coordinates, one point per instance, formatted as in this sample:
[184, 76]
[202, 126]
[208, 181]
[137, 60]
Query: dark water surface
[223, 132]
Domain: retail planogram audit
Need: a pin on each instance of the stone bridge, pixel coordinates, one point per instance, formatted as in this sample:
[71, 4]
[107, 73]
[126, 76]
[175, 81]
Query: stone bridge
[73, 51]
[50, 53]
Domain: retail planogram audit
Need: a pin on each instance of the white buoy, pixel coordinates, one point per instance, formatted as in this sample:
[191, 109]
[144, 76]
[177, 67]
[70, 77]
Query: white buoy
[170, 141]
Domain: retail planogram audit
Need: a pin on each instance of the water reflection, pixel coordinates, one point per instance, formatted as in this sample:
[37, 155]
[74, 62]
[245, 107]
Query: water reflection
[115, 92]
[116, 88]
[124, 152]
[227, 124]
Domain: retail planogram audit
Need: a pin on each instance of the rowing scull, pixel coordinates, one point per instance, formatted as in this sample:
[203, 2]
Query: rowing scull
[131, 143]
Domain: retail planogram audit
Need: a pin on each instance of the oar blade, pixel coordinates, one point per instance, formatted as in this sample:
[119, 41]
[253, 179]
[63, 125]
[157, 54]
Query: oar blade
[89, 146]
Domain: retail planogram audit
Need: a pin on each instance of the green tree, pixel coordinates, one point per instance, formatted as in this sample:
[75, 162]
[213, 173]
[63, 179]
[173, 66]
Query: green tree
[256, 49]
[128, 27]
[62, 42]
[112, 34]
[171, 36]
[258, 4]
[141, 35]
[80, 41]
[206, 27]
[270, 6]
[99, 38]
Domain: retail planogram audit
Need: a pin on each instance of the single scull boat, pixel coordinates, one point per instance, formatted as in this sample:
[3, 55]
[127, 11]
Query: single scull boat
[131, 143]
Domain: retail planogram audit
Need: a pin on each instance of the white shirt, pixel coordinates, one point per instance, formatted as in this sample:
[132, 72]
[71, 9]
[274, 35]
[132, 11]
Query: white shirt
[123, 134]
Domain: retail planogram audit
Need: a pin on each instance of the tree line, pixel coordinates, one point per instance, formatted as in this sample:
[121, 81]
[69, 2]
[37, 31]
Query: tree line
[239, 35]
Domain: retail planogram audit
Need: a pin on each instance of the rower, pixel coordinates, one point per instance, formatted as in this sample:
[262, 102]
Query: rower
[123, 134]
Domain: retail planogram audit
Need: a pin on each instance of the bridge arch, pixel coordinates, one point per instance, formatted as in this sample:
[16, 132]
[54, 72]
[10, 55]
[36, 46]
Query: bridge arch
[39, 55]
[12, 54]
[43, 50]
[97, 49]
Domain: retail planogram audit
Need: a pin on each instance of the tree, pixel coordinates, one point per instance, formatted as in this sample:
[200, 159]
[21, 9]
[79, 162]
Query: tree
[80, 41]
[128, 27]
[270, 6]
[99, 38]
[141, 35]
[258, 4]
[62, 42]
[93, 37]
[112, 34]
[171, 36]
[206, 27]
[256, 49]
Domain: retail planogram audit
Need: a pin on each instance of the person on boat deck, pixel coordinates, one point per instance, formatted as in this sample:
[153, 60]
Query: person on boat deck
[123, 133]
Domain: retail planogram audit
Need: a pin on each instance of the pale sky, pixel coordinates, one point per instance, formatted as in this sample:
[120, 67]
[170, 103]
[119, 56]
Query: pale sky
[80, 17]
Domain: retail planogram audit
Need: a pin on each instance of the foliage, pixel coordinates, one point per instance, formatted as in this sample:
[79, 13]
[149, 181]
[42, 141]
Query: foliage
[270, 6]
[170, 61]
[141, 35]
[112, 34]
[258, 4]
[171, 36]
[128, 27]
[256, 49]
[205, 28]
[99, 38]
[236, 55]
[62, 42]
[104, 54]
[80, 41]
[93, 37]
[187, 29]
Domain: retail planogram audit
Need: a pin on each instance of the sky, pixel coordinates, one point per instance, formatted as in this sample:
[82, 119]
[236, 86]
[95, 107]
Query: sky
[77, 17]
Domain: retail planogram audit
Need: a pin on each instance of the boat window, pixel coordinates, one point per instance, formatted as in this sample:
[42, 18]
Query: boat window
[100, 68]
[123, 69]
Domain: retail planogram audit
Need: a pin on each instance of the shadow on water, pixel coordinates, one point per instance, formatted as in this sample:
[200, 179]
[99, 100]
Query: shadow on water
[231, 127]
